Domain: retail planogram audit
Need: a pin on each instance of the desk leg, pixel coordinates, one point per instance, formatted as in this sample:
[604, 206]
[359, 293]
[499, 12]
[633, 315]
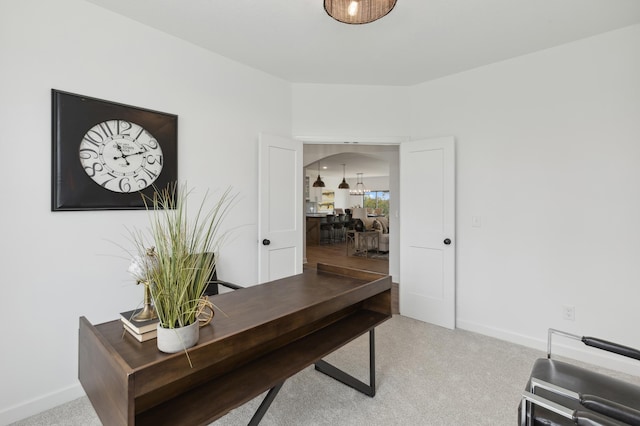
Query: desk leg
[264, 406]
[334, 372]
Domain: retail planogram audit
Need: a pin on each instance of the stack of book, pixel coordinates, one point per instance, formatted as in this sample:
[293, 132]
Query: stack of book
[141, 330]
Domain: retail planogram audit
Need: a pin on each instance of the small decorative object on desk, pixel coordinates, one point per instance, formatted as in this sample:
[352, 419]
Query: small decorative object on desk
[141, 337]
[128, 319]
[178, 269]
[141, 268]
[140, 330]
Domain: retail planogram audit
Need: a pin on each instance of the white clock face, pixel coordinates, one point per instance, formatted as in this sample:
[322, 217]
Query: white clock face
[121, 156]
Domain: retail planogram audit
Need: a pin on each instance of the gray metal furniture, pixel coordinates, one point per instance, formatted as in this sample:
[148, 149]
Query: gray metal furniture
[560, 393]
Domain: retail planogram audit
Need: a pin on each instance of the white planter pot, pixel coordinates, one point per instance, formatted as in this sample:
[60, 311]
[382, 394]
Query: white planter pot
[172, 340]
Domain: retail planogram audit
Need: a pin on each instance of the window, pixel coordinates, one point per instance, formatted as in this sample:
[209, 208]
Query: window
[377, 200]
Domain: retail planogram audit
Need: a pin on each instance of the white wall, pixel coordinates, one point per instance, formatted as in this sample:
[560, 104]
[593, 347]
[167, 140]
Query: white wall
[548, 156]
[338, 113]
[59, 266]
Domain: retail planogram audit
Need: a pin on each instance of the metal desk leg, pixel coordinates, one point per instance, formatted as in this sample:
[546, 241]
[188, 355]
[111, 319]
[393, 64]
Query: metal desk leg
[334, 372]
[266, 403]
[331, 371]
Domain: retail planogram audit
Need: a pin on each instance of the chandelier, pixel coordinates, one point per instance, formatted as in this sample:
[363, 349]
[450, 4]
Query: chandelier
[358, 11]
[360, 189]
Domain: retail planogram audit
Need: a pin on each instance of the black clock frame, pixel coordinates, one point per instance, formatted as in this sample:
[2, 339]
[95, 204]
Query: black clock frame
[72, 116]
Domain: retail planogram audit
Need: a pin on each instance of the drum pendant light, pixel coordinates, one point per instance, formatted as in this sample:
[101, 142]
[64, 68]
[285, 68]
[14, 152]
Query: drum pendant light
[358, 11]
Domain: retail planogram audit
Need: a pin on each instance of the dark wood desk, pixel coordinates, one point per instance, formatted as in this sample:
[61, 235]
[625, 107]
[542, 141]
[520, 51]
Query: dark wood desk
[273, 331]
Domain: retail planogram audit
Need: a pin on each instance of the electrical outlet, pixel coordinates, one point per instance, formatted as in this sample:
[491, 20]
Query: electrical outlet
[569, 313]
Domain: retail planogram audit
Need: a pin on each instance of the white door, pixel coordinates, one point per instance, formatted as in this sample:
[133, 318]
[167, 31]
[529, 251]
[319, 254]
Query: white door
[427, 230]
[279, 207]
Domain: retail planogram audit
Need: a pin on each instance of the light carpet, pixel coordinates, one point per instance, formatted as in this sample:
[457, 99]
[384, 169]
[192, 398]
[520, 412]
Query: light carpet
[426, 375]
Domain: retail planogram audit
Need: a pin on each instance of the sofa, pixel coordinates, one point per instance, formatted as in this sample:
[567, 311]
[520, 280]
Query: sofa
[377, 223]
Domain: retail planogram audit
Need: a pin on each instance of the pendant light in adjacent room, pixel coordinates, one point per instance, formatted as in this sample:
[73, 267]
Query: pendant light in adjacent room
[318, 183]
[358, 11]
[343, 184]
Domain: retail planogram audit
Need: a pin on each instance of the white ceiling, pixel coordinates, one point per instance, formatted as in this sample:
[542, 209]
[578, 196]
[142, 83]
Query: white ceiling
[355, 162]
[419, 40]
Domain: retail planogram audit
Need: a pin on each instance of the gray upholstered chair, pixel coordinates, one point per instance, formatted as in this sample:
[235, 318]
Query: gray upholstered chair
[369, 222]
[561, 393]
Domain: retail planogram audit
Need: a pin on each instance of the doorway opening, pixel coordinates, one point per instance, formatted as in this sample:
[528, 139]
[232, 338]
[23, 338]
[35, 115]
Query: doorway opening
[336, 242]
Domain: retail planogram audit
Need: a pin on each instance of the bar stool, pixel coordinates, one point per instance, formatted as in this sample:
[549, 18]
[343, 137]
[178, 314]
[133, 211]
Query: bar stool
[326, 226]
[348, 222]
[338, 228]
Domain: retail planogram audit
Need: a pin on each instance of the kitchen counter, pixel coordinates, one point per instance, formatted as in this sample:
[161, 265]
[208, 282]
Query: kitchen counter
[313, 227]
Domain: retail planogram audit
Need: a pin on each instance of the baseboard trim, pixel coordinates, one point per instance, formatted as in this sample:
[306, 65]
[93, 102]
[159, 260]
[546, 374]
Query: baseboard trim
[584, 354]
[40, 404]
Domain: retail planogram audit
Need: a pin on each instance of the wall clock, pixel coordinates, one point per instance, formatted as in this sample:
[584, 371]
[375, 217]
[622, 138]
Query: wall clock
[106, 154]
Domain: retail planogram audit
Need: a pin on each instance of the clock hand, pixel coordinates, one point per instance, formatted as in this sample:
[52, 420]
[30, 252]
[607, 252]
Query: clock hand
[122, 154]
[125, 160]
[135, 153]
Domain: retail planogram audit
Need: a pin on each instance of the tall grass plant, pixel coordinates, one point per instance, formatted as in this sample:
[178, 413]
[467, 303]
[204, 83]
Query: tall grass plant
[184, 251]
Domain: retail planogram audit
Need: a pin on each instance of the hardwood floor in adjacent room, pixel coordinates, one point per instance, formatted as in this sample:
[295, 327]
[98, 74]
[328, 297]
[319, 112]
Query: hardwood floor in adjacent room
[336, 254]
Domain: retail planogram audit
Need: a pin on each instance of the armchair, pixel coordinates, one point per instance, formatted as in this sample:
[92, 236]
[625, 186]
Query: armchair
[560, 393]
[213, 285]
[380, 224]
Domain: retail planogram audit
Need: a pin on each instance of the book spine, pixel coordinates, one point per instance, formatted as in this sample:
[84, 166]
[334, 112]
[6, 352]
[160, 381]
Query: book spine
[141, 337]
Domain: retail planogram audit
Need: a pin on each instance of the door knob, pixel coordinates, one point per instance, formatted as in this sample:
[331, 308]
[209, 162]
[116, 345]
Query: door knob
[447, 241]
[266, 242]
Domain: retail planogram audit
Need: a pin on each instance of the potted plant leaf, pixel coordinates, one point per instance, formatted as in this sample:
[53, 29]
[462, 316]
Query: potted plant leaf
[181, 262]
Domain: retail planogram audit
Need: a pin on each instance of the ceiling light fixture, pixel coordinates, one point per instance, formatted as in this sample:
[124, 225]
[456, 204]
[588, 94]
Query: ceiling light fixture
[343, 184]
[358, 11]
[352, 10]
[360, 189]
[318, 183]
